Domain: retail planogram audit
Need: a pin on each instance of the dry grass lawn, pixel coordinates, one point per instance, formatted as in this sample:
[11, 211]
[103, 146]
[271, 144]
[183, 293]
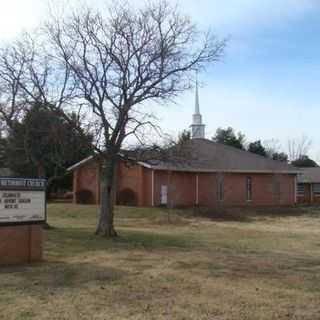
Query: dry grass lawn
[262, 267]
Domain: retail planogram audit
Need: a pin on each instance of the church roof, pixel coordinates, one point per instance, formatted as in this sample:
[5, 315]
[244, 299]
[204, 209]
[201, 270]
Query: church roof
[202, 155]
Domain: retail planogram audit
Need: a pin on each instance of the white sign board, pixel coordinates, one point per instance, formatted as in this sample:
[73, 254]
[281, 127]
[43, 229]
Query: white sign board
[22, 201]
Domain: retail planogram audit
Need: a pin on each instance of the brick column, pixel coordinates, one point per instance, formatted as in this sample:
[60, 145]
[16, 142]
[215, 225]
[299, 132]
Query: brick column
[20, 244]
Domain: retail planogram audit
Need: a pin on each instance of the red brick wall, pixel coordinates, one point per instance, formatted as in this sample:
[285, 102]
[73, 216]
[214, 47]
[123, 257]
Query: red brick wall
[128, 177]
[131, 177]
[146, 187]
[181, 188]
[21, 244]
[287, 189]
[208, 189]
[267, 189]
[86, 178]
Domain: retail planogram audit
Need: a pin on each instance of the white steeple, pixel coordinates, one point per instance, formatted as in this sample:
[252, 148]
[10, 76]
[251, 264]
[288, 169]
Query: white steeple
[197, 128]
[197, 104]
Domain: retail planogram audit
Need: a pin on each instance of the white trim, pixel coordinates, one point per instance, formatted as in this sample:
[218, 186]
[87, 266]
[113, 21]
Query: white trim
[311, 192]
[144, 164]
[197, 190]
[78, 164]
[152, 188]
[154, 167]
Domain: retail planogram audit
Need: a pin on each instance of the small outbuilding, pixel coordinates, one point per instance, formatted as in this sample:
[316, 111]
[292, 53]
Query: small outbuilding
[308, 189]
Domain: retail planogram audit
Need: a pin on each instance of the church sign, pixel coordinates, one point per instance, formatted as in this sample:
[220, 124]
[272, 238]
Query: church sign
[22, 201]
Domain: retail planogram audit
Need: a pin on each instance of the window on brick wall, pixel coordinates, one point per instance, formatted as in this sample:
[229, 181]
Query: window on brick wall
[249, 188]
[316, 189]
[300, 189]
[220, 191]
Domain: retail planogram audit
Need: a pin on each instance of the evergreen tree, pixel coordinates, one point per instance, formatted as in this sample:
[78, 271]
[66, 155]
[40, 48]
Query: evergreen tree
[184, 136]
[257, 148]
[229, 137]
[280, 156]
[43, 144]
[3, 148]
[304, 162]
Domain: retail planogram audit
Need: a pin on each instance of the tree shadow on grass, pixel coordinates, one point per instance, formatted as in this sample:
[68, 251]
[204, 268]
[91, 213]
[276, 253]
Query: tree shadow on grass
[73, 241]
[46, 276]
[249, 214]
[224, 214]
[291, 271]
[42, 279]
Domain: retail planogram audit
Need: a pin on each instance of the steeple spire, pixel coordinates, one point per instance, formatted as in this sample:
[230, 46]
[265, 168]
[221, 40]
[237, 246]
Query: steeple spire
[197, 128]
[197, 104]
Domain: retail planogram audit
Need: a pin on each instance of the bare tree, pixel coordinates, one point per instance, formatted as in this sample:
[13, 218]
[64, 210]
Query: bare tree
[298, 147]
[107, 67]
[11, 71]
[272, 146]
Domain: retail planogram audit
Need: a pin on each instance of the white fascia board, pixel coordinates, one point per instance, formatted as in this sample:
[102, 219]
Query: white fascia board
[80, 163]
[146, 165]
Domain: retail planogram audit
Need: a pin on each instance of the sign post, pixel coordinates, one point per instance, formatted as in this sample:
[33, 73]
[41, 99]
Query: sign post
[22, 213]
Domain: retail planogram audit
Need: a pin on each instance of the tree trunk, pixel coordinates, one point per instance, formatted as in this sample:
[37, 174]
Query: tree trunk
[105, 225]
[42, 175]
[41, 170]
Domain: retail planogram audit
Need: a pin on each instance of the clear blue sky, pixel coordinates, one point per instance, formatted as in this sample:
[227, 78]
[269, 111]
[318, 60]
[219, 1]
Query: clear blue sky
[268, 84]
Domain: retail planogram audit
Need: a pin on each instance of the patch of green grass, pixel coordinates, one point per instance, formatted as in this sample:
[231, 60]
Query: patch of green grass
[73, 241]
[155, 241]
[58, 212]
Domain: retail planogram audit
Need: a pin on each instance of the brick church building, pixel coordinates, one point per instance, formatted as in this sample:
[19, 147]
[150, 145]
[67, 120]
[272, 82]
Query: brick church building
[208, 174]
